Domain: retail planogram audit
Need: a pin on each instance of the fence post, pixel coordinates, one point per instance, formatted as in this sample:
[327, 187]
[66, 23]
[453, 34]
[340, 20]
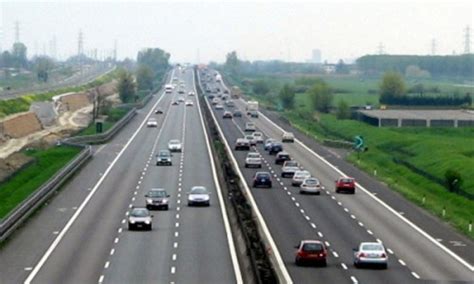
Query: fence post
[444, 211]
[470, 226]
[423, 201]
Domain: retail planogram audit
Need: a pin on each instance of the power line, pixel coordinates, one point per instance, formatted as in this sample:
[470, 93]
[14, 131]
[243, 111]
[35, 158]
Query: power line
[467, 40]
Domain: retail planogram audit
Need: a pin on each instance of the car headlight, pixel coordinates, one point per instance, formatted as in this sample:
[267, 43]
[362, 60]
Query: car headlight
[149, 200]
[164, 201]
[147, 222]
[131, 221]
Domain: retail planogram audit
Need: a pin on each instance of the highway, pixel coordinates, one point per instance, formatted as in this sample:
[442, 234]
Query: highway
[92, 243]
[341, 221]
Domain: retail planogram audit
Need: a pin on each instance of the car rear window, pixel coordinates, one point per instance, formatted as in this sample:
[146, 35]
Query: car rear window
[347, 180]
[263, 175]
[375, 247]
[313, 247]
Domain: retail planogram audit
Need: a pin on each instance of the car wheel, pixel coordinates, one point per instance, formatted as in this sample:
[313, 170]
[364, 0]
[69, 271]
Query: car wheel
[130, 227]
[297, 262]
[166, 207]
[337, 190]
[260, 166]
[301, 192]
[324, 263]
[384, 266]
[318, 193]
[246, 165]
[150, 227]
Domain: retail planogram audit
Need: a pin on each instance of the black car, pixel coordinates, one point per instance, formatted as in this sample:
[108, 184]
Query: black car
[163, 158]
[275, 148]
[237, 113]
[158, 111]
[157, 198]
[262, 179]
[282, 157]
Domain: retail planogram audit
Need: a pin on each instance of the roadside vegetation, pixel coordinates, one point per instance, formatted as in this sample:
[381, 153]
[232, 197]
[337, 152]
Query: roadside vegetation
[22, 184]
[429, 166]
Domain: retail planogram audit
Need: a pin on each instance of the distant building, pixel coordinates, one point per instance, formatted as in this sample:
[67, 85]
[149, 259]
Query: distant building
[329, 68]
[315, 56]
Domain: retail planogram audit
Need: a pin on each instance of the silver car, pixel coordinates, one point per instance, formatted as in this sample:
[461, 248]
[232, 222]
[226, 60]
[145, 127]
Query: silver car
[152, 122]
[289, 168]
[299, 177]
[268, 143]
[174, 145]
[251, 140]
[311, 185]
[253, 159]
[258, 136]
[250, 127]
[140, 218]
[199, 195]
[371, 253]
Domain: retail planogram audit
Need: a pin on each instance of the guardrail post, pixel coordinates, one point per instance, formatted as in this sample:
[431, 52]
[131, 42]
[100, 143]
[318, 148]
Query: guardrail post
[444, 211]
[423, 201]
[470, 227]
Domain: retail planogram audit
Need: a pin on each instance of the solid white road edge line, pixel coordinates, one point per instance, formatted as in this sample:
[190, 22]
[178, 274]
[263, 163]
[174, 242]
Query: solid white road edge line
[259, 216]
[230, 240]
[58, 239]
[401, 217]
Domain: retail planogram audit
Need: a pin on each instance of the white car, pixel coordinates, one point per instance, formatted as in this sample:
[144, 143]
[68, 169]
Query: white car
[191, 93]
[288, 137]
[370, 253]
[258, 137]
[180, 99]
[175, 145]
[198, 195]
[311, 185]
[299, 177]
[152, 122]
[140, 218]
[219, 107]
[251, 140]
[189, 103]
[253, 159]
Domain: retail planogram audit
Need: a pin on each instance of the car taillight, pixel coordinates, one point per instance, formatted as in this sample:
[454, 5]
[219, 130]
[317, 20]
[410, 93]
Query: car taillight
[362, 254]
[383, 255]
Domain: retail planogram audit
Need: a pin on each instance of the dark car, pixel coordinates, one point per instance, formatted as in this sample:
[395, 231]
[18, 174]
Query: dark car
[140, 218]
[262, 179]
[274, 148]
[311, 252]
[237, 113]
[158, 111]
[157, 198]
[282, 157]
[163, 158]
[253, 113]
[345, 184]
[175, 103]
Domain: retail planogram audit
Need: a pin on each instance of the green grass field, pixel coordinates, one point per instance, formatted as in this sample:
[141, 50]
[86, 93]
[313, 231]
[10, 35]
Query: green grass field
[432, 150]
[25, 182]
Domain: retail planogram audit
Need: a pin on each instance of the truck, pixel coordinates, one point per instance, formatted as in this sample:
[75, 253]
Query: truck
[218, 78]
[252, 108]
[236, 92]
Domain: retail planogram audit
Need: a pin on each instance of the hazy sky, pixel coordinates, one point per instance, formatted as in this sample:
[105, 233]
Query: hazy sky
[256, 30]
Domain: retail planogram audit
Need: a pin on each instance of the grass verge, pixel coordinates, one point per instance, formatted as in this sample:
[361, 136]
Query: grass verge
[25, 182]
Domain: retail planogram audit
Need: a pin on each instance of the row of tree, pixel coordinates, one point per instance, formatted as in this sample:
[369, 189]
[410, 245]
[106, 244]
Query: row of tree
[455, 65]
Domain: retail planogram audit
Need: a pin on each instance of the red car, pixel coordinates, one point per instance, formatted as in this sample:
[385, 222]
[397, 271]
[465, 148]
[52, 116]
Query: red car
[345, 184]
[311, 251]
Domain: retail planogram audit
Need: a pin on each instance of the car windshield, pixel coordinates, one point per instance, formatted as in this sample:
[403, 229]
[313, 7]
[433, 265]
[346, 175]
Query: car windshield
[291, 164]
[312, 181]
[373, 247]
[139, 213]
[250, 124]
[249, 137]
[164, 153]
[157, 193]
[253, 155]
[174, 142]
[302, 174]
[257, 134]
[152, 119]
[199, 190]
[269, 141]
[312, 247]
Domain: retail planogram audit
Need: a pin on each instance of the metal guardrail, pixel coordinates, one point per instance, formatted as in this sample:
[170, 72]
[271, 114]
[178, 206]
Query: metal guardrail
[23, 210]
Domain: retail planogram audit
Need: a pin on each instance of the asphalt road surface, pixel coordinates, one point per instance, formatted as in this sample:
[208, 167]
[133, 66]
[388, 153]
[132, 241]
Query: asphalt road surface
[342, 221]
[82, 235]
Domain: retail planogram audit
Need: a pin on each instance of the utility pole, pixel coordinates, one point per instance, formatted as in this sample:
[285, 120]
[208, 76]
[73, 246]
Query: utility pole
[80, 49]
[115, 51]
[380, 48]
[17, 32]
[467, 40]
[433, 47]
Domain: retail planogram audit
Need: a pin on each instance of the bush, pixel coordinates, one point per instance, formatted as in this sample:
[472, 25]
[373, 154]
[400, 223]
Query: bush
[453, 180]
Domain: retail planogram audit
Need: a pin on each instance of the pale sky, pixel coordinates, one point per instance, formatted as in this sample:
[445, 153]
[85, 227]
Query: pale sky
[256, 30]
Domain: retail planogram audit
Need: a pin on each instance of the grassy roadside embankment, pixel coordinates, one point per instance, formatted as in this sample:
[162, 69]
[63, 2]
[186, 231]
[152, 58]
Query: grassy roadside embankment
[395, 152]
[47, 163]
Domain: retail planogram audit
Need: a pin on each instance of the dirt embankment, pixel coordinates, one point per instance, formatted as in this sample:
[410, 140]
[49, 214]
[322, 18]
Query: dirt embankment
[44, 125]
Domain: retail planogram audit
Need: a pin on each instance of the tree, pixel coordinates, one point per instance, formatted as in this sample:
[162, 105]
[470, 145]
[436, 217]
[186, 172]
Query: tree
[453, 180]
[19, 55]
[392, 87]
[341, 67]
[260, 87]
[42, 65]
[6, 59]
[321, 96]
[343, 110]
[287, 96]
[126, 86]
[413, 71]
[144, 78]
[156, 59]
[232, 62]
